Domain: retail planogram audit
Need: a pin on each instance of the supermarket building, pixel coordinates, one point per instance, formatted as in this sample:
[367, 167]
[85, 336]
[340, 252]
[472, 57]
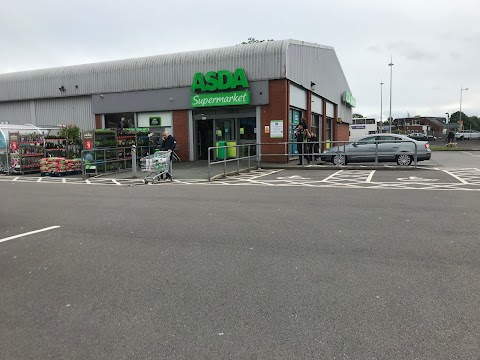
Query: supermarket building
[255, 93]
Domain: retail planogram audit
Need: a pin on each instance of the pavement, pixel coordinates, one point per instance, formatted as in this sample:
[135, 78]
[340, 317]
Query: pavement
[274, 264]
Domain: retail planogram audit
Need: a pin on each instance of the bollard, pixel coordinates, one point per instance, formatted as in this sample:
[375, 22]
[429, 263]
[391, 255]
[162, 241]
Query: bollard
[134, 161]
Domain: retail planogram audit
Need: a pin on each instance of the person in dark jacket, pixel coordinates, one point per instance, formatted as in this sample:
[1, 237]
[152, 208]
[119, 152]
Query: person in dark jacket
[168, 144]
[302, 134]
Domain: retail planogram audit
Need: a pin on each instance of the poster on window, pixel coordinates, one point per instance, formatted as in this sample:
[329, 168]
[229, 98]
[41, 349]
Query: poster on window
[276, 129]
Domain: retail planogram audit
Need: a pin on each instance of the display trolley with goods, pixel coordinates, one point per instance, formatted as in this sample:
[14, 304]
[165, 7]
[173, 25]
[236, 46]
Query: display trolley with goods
[21, 152]
[56, 146]
[106, 154]
[60, 166]
[26, 150]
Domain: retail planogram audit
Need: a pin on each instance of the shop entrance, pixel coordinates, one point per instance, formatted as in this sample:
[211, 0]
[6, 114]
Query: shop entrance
[204, 138]
[213, 126]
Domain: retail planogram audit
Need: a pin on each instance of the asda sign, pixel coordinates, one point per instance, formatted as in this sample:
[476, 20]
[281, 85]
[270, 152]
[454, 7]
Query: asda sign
[206, 87]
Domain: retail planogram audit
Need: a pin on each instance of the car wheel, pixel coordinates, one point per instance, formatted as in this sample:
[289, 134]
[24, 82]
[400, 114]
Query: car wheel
[404, 160]
[340, 160]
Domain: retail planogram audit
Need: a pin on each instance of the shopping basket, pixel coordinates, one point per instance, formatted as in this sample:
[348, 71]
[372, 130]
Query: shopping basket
[157, 165]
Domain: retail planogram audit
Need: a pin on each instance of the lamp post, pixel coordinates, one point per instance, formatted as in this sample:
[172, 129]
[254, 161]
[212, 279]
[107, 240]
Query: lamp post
[461, 93]
[390, 113]
[448, 117]
[381, 102]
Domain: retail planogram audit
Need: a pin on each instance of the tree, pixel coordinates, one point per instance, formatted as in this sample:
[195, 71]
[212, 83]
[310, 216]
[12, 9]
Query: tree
[455, 117]
[357, 116]
[252, 40]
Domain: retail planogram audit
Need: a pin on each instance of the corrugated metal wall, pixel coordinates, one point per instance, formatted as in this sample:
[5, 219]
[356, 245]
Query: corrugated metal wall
[17, 112]
[309, 63]
[260, 61]
[77, 110]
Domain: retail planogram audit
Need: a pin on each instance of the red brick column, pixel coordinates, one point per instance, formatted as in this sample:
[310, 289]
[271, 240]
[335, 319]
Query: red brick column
[180, 130]
[98, 121]
[335, 125]
[323, 135]
[277, 109]
[343, 132]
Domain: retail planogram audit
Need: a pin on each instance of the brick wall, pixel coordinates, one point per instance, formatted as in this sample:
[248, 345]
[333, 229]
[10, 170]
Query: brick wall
[277, 109]
[98, 121]
[343, 132]
[180, 126]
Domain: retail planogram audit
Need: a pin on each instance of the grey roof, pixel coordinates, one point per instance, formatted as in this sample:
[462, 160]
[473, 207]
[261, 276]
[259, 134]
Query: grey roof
[299, 61]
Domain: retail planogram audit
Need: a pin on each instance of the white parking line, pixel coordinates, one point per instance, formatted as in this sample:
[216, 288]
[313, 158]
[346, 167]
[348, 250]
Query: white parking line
[29, 233]
[331, 176]
[455, 177]
[466, 152]
[370, 176]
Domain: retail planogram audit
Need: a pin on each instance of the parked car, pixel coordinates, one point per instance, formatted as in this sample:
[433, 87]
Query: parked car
[390, 147]
[467, 135]
[422, 137]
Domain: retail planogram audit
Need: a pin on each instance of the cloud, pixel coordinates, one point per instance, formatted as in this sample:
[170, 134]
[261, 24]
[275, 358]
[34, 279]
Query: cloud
[410, 51]
[375, 49]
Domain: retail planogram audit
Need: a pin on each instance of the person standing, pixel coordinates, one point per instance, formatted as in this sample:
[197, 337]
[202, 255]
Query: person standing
[168, 144]
[302, 135]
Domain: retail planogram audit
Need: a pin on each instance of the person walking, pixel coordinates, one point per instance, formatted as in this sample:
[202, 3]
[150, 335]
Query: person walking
[450, 137]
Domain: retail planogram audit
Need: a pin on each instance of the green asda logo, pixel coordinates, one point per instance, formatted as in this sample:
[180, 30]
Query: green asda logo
[221, 80]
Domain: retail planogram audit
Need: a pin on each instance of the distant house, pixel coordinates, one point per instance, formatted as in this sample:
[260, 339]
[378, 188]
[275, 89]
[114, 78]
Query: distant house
[424, 124]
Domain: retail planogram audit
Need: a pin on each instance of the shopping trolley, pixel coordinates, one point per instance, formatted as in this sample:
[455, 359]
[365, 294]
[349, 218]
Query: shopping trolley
[157, 165]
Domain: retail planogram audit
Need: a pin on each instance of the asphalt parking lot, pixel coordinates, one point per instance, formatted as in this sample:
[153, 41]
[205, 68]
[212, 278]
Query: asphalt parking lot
[243, 270]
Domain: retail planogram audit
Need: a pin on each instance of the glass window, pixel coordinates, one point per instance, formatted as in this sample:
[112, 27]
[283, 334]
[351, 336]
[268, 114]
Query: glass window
[120, 121]
[328, 129]
[370, 121]
[368, 140]
[246, 128]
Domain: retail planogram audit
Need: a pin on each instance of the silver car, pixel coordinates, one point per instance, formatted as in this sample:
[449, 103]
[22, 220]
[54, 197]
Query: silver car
[387, 147]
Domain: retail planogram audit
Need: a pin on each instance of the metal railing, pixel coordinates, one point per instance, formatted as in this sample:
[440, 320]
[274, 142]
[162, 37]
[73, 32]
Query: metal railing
[337, 152]
[221, 157]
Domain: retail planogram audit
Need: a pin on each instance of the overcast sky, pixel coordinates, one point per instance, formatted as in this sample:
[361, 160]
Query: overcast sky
[435, 44]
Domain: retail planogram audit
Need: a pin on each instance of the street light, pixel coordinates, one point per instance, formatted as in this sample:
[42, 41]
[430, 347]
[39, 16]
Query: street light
[461, 92]
[390, 113]
[381, 102]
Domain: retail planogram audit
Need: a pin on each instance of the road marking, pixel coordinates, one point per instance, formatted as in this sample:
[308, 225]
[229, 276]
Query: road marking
[64, 181]
[39, 179]
[369, 178]
[466, 152]
[116, 182]
[293, 177]
[333, 175]
[455, 176]
[15, 178]
[87, 182]
[29, 233]
[414, 178]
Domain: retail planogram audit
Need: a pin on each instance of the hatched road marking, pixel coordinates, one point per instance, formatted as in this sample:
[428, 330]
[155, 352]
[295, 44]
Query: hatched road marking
[465, 179]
